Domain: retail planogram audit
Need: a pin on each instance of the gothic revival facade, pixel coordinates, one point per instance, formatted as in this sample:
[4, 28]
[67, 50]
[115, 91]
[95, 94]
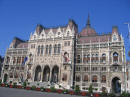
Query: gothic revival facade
[100, 60]
[65, 57]
[13, 66]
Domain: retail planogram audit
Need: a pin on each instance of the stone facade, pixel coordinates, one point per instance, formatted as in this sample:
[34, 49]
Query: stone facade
[13, 66]
[65, 57]
[100, 60]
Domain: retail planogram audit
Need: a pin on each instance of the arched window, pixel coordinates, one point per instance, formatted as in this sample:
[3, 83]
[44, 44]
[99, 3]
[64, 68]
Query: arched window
[94, 78]
[50, 48]
[85, 58]
[23, 59]
[38, 51]
[68, 33]
[88, 58]
[103, 80]
[96, 57]
[46, 49]
[14, 60]
[59, 48]
[78, 78]
[103, 58]
[92, 58]
[8, 60]
[85, 79]
[55, 49]
[78, 59]
[115, 57]
[42, 48]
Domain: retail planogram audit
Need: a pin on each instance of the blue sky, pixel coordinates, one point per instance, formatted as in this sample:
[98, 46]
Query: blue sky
[20, 17]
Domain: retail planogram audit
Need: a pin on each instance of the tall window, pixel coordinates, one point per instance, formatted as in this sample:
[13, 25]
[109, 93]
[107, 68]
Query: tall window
[23, 60]
[92, 58]
[103, 58]
[85, 58]
[8, 60]
[103, 80]
[94, 78]
[78, 78]
[18, 60]
[85, 79]
[115, 57]
[55, 49]
[46, 49]
[42, 49]
[14, 60]
[96, 57]
[68, 33]
[59, 48]
[50, 48]
[88, 58]
[38, 51]
[78, 59]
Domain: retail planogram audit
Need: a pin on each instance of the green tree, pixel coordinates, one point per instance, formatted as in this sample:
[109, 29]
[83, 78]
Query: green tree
[90, 89]
[77, 89]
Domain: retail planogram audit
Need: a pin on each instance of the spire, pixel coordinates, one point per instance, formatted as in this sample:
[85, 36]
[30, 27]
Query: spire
[88, 21]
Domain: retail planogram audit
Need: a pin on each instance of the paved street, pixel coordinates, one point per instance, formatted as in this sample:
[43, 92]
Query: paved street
[12, 92]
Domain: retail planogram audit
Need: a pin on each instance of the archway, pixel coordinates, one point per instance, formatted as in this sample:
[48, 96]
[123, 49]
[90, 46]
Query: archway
[46, 74]
[37, 73]
[5, 78]
[55, 72]
[116, 85]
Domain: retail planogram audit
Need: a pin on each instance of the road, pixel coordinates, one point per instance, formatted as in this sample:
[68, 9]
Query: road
[12, 92]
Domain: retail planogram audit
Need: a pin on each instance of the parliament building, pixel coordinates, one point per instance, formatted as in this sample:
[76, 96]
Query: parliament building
[63, 56]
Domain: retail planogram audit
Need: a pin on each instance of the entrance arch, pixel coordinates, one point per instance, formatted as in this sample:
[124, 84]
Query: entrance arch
[37, 73]
[116, 85]
[5, 78]
[55, 72]
[46, 74]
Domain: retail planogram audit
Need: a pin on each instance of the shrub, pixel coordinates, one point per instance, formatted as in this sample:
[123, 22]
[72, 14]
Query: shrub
[42, 88]
[77, 89]
[65, 91]
[125, 94]
[33, 87]
[111, 95]
[53, 89]
[0, 81]
[24, 84]
[14, 85]
[90, 89]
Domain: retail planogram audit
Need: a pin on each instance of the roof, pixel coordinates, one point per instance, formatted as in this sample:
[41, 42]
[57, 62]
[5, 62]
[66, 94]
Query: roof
[22, 45]
[95, 38]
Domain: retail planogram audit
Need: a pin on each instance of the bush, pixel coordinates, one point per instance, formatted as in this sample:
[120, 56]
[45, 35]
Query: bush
[42, 88]
[24, 84]
[53, 89]
[125, 94]
[77, 89]
[0, 81]
[111, 95]
[90, 89]
[65, 91]
[14, 85]
[33, 87]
